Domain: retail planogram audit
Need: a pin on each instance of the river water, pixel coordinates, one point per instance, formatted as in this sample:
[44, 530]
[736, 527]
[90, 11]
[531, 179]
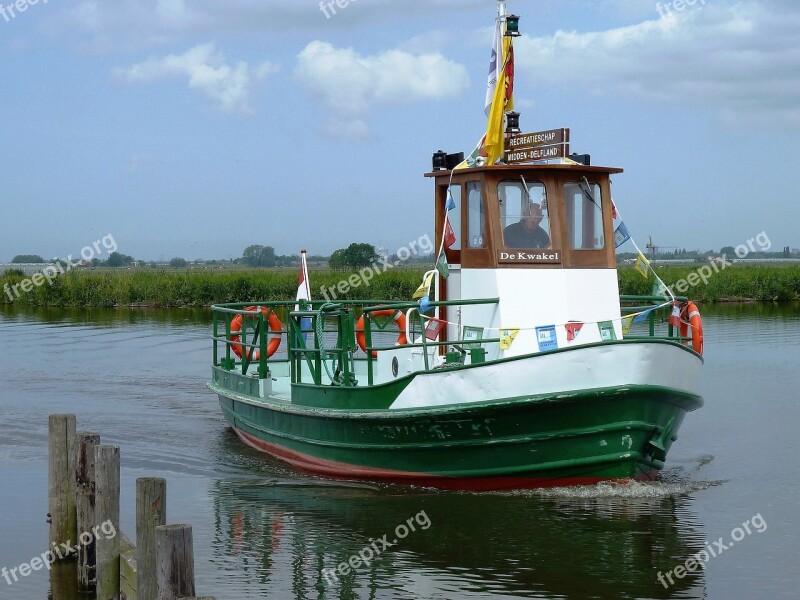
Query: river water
[730, 491]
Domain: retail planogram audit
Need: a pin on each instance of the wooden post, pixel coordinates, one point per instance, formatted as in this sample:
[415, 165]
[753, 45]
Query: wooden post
[107, 516]
[64, 581]
[84, 479]
[174, 562]
[61, 482]
[151, 512]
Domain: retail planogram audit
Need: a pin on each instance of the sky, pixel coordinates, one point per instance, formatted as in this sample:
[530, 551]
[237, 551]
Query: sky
[195, 128]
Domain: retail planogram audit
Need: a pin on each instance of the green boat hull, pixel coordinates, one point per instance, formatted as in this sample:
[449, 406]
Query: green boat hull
[577, 437]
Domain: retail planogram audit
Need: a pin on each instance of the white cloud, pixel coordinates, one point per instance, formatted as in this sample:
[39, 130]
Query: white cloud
[740, 60]
[206, 72]
[134, 24]
[352, 85]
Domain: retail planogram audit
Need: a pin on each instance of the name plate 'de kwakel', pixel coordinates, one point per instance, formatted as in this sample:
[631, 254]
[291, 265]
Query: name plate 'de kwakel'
[530, 257]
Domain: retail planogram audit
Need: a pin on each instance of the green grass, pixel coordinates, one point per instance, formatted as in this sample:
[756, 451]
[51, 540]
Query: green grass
[178, 289]
[167, 289]
[751, 282]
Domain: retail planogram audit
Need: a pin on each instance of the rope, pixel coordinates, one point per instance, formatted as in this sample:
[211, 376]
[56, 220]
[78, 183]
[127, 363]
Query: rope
[319, 332]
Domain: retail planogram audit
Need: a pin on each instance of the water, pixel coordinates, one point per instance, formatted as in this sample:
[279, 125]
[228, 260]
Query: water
[260, 529]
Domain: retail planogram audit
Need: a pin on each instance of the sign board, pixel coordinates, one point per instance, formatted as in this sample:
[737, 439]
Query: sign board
[529, 256]
[525, 141]
[538, 153]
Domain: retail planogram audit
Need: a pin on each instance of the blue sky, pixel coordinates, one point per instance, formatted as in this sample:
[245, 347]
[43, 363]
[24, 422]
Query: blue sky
[194, 128]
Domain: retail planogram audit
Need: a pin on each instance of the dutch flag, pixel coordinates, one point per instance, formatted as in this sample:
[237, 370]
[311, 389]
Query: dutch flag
[303, 293]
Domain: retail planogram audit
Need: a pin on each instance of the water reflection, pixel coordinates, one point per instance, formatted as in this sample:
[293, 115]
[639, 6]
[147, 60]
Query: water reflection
[499, 544]
[106, 317]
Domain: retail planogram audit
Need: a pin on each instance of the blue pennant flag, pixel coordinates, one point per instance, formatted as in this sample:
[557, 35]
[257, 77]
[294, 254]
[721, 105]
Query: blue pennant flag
[424, 304]
[642, 317]
[451, 204]
[621, 235]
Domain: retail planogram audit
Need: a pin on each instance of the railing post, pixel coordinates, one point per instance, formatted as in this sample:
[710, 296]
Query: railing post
[263, 327]
[151, 512]
[215, 330]
[368, 344]
[174, 562]
[228, 320]
[61, 481]
[317, 346]
[85, 501]
[107, 512]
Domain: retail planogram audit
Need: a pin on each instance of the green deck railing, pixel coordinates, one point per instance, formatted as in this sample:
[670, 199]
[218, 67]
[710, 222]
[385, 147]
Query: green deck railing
[307, 331]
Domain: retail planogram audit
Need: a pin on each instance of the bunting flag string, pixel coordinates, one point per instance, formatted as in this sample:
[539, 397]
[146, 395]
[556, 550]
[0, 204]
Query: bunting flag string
[507, 337]
[627, 321]
[425, 288]
[443, 267]
[573, 328]
[639, 316]
[621, 235]
[642, 265]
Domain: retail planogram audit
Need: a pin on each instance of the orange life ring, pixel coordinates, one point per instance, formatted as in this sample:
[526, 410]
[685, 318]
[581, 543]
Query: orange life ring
[399, 318]
[691, 316]
[274, 324]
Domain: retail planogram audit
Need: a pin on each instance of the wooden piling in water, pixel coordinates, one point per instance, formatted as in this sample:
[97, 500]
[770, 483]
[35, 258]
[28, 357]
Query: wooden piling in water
[151, 512]
[83, 498]
[107, 466]
[174, 562]
[61, 482]
[85, 504]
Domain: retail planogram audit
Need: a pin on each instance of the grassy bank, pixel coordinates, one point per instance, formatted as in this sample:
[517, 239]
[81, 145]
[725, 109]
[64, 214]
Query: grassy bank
[764, 283]
[165, 288]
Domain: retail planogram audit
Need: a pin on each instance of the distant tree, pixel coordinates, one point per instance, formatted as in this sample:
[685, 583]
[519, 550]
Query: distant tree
[727, 251]
[178, 262]
[259, 256]
[26, 258]
[357, 256]
[336, 261]
[115, 259]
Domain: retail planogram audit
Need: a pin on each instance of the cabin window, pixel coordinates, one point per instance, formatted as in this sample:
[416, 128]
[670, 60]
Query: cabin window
[524, 214]
[584, 215]
[454, 215]
[476, 219]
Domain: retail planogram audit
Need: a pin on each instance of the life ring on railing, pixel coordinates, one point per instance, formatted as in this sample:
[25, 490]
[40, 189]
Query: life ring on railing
[399, 318]
[691, 316]
[274, 324]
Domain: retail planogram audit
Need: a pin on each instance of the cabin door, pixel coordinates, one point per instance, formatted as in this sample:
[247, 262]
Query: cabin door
[452, 289]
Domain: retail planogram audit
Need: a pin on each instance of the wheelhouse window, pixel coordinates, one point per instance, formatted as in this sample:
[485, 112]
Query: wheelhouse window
[476, 219]
[524, 214]
[584, 215]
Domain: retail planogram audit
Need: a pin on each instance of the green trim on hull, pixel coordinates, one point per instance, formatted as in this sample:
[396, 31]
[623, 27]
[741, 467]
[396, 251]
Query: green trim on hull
[607, 433]
[379, 396]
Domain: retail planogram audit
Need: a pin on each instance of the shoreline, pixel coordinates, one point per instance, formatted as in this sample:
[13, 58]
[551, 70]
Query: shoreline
[185, 289]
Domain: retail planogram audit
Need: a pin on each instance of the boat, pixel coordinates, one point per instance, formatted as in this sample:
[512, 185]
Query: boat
[517, 363]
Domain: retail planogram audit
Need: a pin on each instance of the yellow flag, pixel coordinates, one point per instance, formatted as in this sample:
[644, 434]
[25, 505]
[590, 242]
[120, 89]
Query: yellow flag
[626, 324]
[643, 265]
[507, 338]
[494, 143]
[425, 288]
